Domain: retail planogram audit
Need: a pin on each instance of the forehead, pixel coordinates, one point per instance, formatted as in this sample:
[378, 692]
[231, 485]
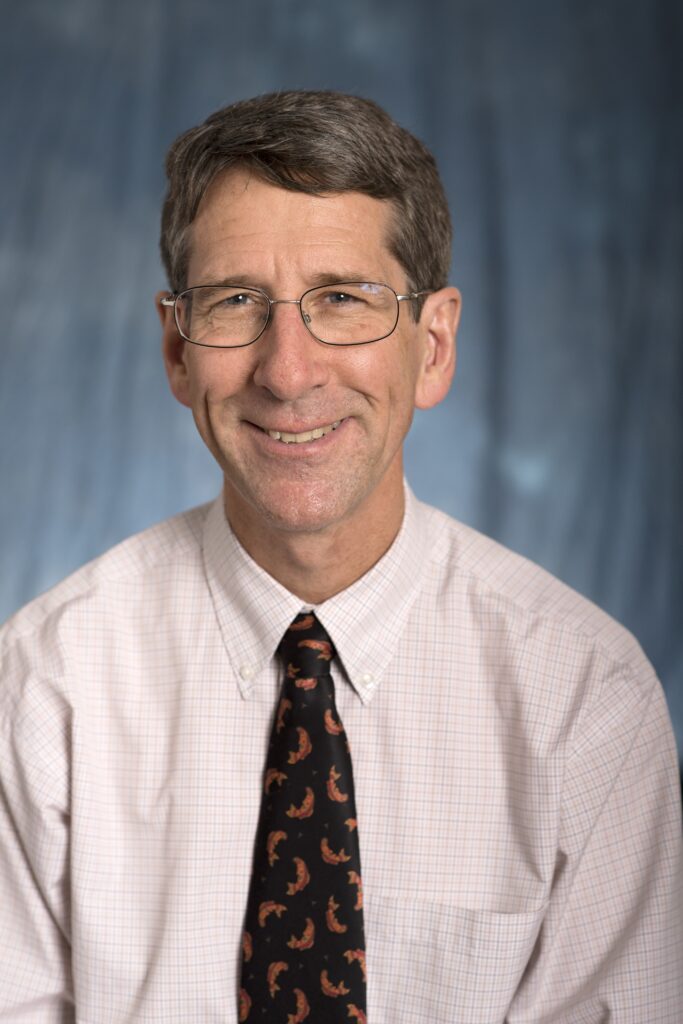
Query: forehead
[247, 225]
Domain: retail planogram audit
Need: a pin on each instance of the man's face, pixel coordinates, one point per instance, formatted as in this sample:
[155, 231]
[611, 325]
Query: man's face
[249, 232]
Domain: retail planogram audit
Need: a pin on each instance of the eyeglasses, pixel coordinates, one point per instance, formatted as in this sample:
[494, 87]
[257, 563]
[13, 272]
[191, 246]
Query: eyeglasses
[344, 313]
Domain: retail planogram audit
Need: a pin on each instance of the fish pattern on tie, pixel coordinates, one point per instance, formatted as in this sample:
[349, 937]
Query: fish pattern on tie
[303, 946]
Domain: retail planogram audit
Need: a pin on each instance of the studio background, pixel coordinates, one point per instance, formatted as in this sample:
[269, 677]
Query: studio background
[557, 128]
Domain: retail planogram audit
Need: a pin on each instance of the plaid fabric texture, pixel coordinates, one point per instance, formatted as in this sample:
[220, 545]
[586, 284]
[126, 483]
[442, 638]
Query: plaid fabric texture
[515, 774]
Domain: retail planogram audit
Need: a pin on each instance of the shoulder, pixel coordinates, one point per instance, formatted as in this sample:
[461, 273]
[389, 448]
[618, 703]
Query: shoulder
[499, 593]
[92, 641]
[137, 564]
[549, 664]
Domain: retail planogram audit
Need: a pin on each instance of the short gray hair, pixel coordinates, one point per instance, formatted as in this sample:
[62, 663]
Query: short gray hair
[314, 142]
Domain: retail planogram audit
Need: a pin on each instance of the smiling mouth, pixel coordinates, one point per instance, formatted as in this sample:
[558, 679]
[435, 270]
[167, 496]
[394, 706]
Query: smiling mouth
[306, 435]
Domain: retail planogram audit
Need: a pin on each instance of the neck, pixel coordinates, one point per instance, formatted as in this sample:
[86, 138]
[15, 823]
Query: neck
[318, 564]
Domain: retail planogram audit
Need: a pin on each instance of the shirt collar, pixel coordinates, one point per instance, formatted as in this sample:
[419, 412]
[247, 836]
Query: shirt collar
[365, 621]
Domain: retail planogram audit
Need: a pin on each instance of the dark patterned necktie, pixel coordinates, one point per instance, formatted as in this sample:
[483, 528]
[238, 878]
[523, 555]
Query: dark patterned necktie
[303, 949]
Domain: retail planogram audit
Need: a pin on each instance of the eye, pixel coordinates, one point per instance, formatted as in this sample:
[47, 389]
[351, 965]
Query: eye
[338, 298]
[223, 302]
[239, 299]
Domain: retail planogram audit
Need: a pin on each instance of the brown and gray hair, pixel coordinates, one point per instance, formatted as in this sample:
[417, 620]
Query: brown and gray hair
[318, 143]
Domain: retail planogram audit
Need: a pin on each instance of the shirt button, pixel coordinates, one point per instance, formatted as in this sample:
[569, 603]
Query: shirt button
[367, 678]
[247, 672]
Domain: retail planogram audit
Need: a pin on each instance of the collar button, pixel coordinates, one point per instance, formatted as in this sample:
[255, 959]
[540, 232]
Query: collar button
[247, 672]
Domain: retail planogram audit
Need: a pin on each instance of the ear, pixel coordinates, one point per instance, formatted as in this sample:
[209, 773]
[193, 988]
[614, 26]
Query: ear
[174, 352]
[439, 326]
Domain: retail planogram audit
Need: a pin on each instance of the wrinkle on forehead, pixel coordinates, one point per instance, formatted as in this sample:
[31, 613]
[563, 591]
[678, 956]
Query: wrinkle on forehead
[231, 233]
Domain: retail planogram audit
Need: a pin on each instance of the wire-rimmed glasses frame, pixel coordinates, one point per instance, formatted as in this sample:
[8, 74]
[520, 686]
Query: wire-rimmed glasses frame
[172, 301]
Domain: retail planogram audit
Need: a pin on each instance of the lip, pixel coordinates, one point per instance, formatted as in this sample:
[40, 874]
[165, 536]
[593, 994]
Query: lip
[296, 429]
[289, 450]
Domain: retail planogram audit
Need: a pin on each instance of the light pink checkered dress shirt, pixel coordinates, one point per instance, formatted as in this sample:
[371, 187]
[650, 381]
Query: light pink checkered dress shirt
[516, 781]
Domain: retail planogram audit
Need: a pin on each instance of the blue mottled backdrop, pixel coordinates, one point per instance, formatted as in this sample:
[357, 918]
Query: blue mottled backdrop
[558, 131]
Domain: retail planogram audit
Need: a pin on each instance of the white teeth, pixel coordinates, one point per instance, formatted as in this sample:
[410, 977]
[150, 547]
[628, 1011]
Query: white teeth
[306, 435]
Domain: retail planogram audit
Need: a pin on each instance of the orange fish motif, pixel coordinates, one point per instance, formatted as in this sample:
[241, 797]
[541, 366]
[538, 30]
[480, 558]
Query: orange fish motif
[302, 1008]
[329, 856]
[305, 746]
[272, 974]
[357, 1014]
[332, 791]
[355, 879]
[351, 823]
[306, 808]
[307, 937]
[273, 775]
[323, 646]
[359, 955]
[269, 907]
[247, 948]
[332, 990]
[306, 684]
[292, 671]
[333, 727]
[305, 623]
[271, 842]
[332, 923]
[244, 1005]
[302, 877]
[282, 709]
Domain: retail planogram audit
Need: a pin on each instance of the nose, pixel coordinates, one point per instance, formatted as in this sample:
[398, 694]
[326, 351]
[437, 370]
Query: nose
[290, 361]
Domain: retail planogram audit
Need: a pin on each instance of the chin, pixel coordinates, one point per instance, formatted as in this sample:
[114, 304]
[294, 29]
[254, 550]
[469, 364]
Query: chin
[305, 515]
[300, 509]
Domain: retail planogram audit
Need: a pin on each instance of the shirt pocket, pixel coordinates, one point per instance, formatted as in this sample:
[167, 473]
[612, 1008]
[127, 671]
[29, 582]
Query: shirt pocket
[444, 964]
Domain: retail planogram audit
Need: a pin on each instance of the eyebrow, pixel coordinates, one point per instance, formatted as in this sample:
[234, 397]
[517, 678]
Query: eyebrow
[320, 278]
[341, 276]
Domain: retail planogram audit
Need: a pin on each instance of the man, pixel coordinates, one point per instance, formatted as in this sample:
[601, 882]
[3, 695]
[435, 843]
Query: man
[509, 784]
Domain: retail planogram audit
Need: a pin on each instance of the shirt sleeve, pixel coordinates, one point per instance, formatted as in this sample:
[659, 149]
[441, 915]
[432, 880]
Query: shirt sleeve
[35, 971]
[611, 945]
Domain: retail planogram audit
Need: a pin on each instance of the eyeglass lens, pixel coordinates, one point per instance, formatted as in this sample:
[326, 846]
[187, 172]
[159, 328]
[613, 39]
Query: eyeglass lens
[338, 314]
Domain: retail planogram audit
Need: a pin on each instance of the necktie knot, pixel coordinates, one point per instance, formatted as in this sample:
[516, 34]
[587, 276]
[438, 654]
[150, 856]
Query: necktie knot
[306, 648]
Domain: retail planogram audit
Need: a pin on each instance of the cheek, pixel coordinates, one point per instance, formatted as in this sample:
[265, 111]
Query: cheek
[216, 375]
[396, 380]
[387, 368]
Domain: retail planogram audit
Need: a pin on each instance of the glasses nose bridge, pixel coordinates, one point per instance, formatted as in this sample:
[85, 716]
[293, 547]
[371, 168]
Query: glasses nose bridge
[289, 302]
